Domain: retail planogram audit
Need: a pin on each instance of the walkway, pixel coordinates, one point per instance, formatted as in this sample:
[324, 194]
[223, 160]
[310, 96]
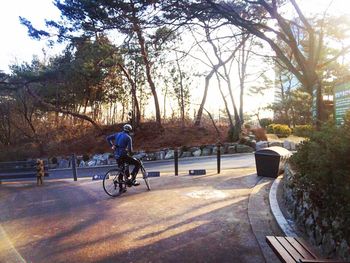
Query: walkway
[183, 219]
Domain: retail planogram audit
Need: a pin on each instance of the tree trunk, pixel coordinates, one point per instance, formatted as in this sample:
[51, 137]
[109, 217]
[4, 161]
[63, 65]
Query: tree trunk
[115, 110]
[201, 107]
[147, 63]
[223, 63]
[225, 102]
[123, 111]
[182, 104]
[320, 113]
[165, 95]
[134, 95]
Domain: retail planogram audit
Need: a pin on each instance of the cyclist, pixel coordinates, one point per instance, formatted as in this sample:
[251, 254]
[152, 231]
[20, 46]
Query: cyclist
[121, 144]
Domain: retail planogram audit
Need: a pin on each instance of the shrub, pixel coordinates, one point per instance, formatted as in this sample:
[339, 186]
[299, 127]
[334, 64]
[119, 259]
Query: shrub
[86, 158]
[260, 134]
[54, 160]
[302, 130]
[184, 148]
[247, 126]
[280, 130]
[233, 134]
[323, 167]
[269, 128]
[264, 122]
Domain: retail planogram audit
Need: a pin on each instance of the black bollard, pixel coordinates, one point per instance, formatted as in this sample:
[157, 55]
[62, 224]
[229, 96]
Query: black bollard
[218, 155]
[176, 159]
[74, 167]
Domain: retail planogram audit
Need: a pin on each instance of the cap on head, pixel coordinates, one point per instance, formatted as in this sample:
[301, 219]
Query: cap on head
[127, 128]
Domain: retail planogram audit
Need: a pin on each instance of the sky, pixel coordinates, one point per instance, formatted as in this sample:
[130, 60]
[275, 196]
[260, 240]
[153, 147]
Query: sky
[16, 47]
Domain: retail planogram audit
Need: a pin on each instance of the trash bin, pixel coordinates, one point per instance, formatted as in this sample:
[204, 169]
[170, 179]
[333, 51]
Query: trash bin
[270, 161]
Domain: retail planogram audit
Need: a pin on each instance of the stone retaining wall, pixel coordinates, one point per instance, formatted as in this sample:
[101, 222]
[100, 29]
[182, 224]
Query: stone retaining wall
[322, 232]
[164, 154]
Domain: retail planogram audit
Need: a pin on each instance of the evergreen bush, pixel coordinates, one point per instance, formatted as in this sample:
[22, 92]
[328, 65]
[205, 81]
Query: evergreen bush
[302, 130]
[323, 170]
[269, 128]
[264, 122]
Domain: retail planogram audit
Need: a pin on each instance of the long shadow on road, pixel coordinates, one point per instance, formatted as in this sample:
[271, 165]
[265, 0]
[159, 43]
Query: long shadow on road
[183, 219]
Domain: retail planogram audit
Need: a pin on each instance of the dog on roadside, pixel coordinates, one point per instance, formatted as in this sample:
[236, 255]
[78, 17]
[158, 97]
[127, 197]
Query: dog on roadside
[40, 172]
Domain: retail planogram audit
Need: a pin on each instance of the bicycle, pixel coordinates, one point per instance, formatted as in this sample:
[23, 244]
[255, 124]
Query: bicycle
[116, 178]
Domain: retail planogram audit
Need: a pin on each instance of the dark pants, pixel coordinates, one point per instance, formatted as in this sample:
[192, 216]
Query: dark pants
[131, 161]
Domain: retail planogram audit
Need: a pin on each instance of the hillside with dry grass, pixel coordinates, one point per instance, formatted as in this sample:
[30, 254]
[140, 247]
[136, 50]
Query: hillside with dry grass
[84, 139]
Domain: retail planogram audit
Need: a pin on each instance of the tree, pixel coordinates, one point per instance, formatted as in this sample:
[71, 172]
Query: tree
[181, 81]
[224, 50]
[91, 17]
[86, 73]
[293, 104]
[256, 18]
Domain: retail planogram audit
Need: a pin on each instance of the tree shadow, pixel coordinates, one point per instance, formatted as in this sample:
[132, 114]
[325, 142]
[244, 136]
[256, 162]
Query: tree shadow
[208, 237]
[212, 236]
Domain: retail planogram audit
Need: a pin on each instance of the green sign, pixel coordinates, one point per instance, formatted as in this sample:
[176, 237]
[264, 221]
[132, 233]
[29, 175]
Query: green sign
[341, 102]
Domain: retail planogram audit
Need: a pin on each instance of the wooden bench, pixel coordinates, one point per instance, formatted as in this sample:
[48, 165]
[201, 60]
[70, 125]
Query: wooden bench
[291, 249]
[19, 170]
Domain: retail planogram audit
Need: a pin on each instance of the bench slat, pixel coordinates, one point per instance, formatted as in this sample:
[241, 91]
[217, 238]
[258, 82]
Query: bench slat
[279, 250]
[294, 252]
[301, 247]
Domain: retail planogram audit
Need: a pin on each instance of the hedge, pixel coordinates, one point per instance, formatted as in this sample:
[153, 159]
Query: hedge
[323, 170]
[280, 130]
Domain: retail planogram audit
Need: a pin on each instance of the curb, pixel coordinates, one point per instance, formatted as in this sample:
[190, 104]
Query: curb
[287, 228]
[260, 218]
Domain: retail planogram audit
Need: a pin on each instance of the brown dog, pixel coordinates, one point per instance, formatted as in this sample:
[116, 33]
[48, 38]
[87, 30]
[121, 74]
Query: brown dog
[40, 172]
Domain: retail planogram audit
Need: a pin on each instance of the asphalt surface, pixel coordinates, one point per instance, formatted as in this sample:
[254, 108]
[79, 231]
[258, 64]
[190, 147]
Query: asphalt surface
[182, 219]
[167, 166]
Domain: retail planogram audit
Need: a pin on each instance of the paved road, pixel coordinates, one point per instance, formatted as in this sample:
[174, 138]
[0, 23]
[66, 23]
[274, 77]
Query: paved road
[186, 164]
[183, 219]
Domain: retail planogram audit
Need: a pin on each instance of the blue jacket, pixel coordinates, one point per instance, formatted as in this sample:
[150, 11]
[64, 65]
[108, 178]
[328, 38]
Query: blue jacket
[123, 143]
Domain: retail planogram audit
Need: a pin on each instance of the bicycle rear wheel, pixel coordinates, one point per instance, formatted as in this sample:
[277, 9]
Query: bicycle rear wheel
[145, 177]
[111, 182]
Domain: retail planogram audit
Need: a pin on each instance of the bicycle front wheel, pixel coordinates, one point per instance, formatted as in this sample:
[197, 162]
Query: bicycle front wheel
[111, 182]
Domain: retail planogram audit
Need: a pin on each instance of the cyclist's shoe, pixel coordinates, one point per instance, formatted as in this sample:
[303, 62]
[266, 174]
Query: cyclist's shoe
[122, 190]
[129, 183]
[135, 183]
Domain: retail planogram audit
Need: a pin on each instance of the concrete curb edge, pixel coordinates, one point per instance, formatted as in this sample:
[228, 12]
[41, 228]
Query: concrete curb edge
[282, 222]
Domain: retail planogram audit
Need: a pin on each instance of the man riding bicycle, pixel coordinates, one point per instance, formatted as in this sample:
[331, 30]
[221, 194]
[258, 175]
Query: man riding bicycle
[121, 144]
